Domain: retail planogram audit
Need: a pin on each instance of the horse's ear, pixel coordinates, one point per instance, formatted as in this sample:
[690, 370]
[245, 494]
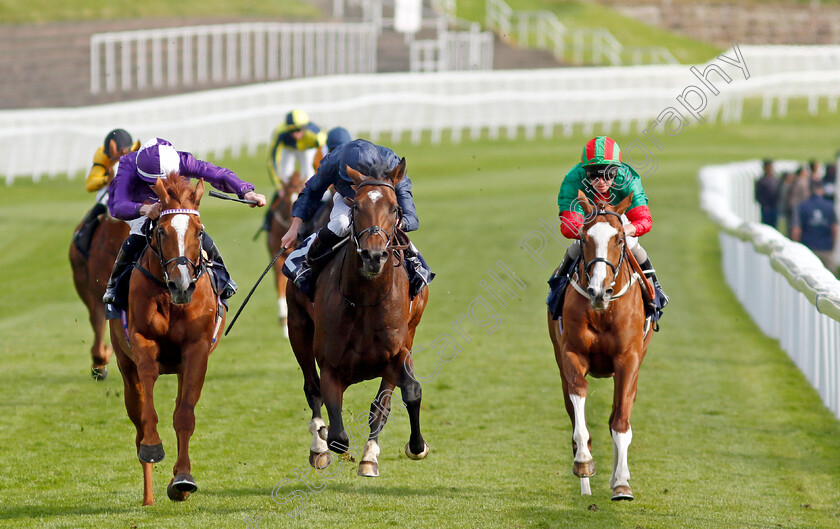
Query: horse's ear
[398, 172]
[355, 175]
[624, 205]
[585, 204]
[160, 189]
[198, 192]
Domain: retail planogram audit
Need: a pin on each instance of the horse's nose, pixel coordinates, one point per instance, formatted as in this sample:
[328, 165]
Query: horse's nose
[592, 292]
[608, 293]
[374, 256]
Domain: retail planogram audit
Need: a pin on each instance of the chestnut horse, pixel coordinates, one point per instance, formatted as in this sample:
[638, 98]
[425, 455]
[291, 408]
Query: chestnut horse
[603, 335]
[281, 219]
[90, 276]
[360, 326]
[173, 323]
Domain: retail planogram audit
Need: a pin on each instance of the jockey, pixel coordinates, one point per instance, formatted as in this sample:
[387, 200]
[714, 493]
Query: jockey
[133, 200]
[296, 139]
[602, 176]
[362, 156]
[117, 143]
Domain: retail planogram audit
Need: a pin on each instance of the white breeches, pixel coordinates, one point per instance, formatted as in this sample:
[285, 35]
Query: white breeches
[339, 222]
[304, 160]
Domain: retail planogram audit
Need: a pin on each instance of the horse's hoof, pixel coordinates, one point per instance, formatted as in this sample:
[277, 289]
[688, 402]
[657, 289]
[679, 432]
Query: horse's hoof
[319, 461]
[181, 486]
[419, 456]
[151, 453]
[99, 373]
[369, 469]
[585, 469]
[622, 492]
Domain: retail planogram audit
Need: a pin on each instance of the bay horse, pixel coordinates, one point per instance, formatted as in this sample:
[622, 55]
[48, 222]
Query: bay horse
[360, 326]
[281, 219]
[90, 277]
[172, 324]
[603, 335]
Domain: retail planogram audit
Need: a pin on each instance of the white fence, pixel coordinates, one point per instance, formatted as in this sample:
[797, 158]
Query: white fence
[542, 29]
[783, 286]
[233, 53]
[453, 51]
[494, 102]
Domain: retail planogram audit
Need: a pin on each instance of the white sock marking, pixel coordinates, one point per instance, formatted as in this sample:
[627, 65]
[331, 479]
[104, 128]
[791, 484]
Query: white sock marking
[621, 471]
[371, 451]
[581, 434]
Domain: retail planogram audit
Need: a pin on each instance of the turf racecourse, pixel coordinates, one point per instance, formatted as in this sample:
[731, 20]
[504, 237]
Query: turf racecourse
[727, 432]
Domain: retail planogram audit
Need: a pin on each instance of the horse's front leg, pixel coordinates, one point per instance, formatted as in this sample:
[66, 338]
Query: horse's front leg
[412, 394]
[190, 381]
[332, 391]
[282, 305]
[145, 353]
[624, 395]
[100, 351]
[380, 408]
[573, 368]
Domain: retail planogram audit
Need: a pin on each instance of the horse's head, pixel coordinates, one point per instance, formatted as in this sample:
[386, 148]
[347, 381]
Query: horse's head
[375, 216]
[602, 237]
[176, 238]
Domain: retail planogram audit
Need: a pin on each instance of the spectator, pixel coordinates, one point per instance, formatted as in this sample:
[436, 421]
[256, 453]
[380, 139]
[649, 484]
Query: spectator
[784, 199]
[767, 194]
[816, 225]
[830, 181]
[800, 190]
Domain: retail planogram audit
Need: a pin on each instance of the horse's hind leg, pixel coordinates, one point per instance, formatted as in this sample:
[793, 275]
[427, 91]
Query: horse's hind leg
[624, 395]
[100, 352]
[380, 408]
[190, 382]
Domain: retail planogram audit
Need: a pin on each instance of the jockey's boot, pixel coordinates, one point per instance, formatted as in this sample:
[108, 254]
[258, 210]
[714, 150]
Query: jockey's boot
[83, 237]
[125, 259]
[225, 285]
[557, 285]
[649, 271]
[323, 243]
[419, 272]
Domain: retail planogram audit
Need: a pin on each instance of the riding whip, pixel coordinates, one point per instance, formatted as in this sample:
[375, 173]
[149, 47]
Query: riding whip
[214, 193]
[238, 312]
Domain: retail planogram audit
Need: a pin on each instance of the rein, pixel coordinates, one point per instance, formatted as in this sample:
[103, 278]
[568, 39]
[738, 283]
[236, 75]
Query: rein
[390, 242]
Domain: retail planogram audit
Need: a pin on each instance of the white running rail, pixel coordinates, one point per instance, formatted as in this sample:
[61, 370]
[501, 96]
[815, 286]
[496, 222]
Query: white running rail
[782, 285]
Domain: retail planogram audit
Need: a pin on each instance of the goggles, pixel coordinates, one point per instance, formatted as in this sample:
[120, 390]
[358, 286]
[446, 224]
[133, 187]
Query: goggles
[600, 172]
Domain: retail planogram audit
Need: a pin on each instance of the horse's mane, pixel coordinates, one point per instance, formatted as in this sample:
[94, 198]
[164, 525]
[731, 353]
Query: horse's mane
[178, 187]
[378, 170]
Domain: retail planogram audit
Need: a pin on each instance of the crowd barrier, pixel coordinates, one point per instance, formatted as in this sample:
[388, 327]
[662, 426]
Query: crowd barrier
[784, 287]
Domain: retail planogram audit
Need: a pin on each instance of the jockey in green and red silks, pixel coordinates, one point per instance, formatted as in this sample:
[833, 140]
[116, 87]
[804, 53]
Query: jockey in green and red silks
[604, 177]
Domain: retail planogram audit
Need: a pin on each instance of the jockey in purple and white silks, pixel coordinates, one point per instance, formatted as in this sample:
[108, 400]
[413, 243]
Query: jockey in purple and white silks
[132, 199]
[368, 159]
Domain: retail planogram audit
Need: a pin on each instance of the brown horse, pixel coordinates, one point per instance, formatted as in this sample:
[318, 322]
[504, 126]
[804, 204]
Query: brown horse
[281, 219]
[90, 276]
[173, 324]
[360, 326]
[603, 335]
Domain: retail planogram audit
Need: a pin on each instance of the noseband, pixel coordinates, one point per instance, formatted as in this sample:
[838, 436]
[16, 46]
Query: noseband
[197, 267]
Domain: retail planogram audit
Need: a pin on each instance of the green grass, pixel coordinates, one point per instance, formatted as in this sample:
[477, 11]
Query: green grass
[16, 12]
[728, 433]
[628, 31]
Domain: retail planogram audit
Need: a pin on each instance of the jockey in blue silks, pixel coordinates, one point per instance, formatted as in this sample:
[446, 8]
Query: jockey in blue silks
[369, 159]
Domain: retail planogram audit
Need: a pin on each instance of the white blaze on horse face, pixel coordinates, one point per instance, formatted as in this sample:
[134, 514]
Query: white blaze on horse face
[621, 471]
[374, 195]
[581, 434]
[180, 223]
[601, 234]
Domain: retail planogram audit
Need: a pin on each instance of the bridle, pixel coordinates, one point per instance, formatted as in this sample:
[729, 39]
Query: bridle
[615, 268]
[375, 230]
[389, 238]
[197, 268]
